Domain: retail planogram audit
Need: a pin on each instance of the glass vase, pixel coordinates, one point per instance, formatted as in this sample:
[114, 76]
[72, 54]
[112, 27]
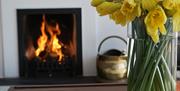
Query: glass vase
[151, 66]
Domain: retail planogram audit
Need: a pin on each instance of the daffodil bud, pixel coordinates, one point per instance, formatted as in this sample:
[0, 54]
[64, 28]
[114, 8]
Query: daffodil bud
[107, 8]
[96, 2]
[149, 4]
[168, 4]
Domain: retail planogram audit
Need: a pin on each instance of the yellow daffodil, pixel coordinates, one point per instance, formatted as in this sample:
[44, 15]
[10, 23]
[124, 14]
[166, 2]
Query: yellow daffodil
[154, 11]
[176, 16]
[107, 8]
[96, 2]
[118, 1]
[149, 4]
[137, 10]
[155, 20]
[176, 21]
[176, 8]
[127, 13]
[118, 17]
[169, 4]
[130, 9]
[177, 1]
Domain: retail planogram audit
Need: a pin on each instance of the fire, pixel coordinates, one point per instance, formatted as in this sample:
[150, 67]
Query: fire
[42, 39]
[52, 45]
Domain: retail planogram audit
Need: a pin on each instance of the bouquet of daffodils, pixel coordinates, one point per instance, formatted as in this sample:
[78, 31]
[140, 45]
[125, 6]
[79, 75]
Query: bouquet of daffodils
[154, 11]
[150, 59]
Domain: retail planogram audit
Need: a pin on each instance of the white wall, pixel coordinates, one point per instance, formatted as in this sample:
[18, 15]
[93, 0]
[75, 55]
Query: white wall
[1, 57]
[94, 29]
[4, 88]
[107, 27]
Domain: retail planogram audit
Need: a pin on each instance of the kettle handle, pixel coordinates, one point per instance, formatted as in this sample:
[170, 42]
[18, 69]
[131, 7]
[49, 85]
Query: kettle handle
[113, 36]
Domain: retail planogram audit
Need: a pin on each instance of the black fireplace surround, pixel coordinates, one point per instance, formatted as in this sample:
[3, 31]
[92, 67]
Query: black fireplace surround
[63, 61]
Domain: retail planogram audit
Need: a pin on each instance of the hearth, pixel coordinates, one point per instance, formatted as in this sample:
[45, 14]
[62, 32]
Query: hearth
[49, 42]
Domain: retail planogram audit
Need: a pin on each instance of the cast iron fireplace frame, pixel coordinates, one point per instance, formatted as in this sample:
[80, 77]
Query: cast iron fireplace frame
[76, 11]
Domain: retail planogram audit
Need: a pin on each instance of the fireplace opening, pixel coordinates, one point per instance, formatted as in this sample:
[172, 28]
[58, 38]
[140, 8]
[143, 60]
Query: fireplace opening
[49, 42]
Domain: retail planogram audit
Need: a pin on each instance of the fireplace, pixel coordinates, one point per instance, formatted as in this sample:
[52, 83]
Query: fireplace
[50, 43]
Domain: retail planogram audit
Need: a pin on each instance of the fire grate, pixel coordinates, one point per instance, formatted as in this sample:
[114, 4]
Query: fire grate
[51, 68]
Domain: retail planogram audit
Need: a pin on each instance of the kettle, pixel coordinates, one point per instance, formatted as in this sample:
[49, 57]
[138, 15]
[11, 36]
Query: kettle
[111, 65]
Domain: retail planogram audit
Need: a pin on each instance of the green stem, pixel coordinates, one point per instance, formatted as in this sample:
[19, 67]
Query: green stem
[171, 79]
[155, 60]
[160, 79]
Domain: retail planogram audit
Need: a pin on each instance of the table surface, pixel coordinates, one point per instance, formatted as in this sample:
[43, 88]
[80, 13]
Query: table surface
[178, 85]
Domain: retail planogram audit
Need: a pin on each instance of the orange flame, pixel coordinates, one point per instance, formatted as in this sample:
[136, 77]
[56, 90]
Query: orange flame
[52, 45]
[42, 39]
